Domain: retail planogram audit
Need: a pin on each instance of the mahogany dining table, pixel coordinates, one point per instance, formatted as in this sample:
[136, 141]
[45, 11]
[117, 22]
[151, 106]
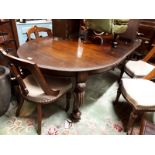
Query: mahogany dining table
[73, 58]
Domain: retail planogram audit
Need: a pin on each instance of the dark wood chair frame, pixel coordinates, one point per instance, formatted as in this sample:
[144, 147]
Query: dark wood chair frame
[16, 64]
[136, 111]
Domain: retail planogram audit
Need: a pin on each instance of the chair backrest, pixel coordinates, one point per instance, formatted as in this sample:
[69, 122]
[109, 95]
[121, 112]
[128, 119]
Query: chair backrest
[16, 65]
[149, 55]
[35, 30]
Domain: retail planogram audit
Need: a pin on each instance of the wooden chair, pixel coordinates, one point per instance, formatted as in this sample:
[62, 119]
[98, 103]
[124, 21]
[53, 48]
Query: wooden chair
[35, 30]
[35, 87]
[140, 94]
[139, 68]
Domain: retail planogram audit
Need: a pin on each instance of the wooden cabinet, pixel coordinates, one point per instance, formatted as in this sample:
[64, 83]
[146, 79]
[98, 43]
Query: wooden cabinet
[8, 36]
[66, 28]
[146, 32]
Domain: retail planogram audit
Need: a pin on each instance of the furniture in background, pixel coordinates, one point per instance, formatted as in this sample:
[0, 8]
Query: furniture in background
[104, 29]
[131, 33]
[35, 87]
[23, 27]
[8, 36]
[138, 68]
[36, 32]
[139, 93]
[117, 26]
[72, 58]
[66, 28]
[146, 32]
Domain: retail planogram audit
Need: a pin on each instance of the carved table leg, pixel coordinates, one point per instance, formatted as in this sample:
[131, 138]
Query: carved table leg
[131, 122]
[79, 94]
[118, 94]
[122, 71]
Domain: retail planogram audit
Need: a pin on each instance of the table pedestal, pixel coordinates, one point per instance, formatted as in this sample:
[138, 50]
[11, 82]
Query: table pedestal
[79, 94]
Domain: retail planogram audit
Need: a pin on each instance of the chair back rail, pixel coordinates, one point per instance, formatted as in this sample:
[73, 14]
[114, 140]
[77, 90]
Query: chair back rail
[149, 55]
[16, 63]
[35, 30]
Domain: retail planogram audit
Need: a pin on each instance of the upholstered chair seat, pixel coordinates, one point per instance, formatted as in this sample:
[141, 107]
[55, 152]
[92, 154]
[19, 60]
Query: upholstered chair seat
[139, 92]
[138, 68]
[36, 92]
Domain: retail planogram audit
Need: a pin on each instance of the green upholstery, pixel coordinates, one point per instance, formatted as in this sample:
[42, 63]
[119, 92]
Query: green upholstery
[116, 26]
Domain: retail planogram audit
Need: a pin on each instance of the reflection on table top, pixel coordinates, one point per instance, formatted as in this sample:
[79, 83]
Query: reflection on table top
[74, 56]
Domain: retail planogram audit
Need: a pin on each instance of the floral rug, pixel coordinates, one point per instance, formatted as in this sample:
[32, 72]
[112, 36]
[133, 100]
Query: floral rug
[99, 116]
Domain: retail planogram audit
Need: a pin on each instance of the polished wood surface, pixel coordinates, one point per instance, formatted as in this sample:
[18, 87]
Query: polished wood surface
[73, 58]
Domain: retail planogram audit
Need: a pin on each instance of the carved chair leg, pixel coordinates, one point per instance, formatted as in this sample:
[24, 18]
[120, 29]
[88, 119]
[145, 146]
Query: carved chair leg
[121, 74]
[142, 124]
[119, 85]
[20, 104]
[118, 95]
[68, 97]
[39, 111]
[131, 122]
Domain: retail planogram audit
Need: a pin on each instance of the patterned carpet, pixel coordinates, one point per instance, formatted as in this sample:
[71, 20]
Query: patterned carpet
[99, 117]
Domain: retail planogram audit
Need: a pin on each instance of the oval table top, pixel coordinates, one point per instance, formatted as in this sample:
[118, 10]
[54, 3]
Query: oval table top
[74, 56]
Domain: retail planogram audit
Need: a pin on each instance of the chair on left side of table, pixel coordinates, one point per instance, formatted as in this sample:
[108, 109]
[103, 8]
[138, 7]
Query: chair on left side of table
[35, 87]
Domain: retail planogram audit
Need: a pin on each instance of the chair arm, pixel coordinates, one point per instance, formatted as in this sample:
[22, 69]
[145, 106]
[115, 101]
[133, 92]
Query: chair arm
[42, 81]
